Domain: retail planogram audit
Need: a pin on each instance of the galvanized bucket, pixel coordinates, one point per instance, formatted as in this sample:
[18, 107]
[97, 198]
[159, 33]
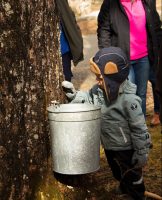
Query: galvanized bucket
[75, 138]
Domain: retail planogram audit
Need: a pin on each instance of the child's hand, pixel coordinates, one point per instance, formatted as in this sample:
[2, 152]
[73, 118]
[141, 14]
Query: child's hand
[139, 160]
[69, 89]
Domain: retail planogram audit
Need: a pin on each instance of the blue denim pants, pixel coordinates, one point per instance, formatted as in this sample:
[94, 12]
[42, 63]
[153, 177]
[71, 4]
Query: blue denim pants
[139, 74]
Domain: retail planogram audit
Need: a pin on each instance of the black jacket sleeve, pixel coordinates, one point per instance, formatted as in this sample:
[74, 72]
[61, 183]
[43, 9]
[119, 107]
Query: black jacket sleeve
[71, 30]
[159, 81]
[157, 22]
[104, 30]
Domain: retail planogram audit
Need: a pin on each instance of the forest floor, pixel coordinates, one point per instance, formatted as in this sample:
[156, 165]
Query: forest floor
[98, 185]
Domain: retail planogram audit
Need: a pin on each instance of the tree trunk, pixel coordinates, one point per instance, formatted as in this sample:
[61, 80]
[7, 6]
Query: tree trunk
[30, 77]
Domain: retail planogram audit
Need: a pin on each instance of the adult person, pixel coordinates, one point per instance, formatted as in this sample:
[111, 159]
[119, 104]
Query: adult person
[134, 26]
[152, 78]
[71, 38]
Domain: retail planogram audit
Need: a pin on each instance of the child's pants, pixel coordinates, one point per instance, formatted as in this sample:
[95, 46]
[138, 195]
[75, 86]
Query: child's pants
[131, 181]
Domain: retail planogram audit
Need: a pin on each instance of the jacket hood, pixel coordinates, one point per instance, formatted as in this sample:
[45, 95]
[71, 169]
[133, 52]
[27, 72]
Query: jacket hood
[127, 87]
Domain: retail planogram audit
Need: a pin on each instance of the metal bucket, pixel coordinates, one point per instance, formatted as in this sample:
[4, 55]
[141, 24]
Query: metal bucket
[75, 138]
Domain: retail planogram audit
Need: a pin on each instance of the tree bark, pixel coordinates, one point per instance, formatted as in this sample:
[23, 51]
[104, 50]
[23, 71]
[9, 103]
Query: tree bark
[30, 77]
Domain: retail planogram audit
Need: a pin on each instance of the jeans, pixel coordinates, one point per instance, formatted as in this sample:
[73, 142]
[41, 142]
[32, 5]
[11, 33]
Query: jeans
[139, 75]
[152, 79]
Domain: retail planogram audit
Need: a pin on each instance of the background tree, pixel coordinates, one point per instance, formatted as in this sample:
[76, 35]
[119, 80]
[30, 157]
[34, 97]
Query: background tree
[30, 77]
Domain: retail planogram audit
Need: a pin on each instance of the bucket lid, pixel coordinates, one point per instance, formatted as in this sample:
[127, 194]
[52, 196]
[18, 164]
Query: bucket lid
[71, 108]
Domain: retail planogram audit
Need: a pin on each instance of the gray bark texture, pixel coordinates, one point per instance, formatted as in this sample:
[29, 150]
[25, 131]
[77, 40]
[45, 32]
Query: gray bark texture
[30, 77]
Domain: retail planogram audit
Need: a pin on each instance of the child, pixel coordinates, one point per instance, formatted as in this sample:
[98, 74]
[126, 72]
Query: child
[124, 134]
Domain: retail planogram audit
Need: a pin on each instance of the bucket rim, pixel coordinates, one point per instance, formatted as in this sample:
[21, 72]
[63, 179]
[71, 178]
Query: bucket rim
[66, 108]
